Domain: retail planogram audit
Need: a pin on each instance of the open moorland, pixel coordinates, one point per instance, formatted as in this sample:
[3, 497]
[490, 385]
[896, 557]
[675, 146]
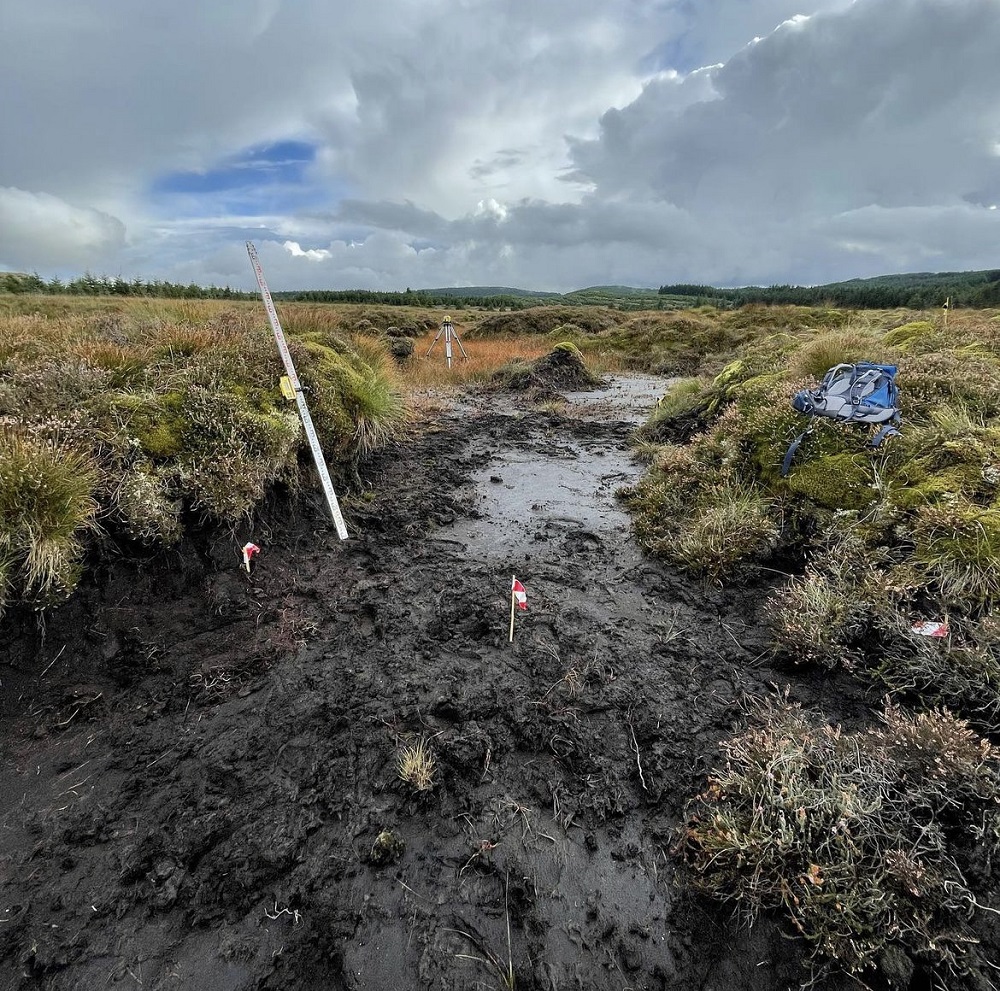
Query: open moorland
[717, 752]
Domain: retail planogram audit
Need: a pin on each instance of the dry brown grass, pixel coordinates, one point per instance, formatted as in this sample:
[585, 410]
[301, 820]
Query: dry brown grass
[485, 357]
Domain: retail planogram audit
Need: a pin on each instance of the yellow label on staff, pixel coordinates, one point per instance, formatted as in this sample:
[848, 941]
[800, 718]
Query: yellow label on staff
[286, 387]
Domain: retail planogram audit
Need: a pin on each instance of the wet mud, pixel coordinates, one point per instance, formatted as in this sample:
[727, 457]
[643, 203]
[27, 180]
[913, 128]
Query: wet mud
[199, 789]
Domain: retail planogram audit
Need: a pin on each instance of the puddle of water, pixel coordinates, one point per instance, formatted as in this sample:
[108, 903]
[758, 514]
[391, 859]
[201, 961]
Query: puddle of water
[628, 397]
[529, 496]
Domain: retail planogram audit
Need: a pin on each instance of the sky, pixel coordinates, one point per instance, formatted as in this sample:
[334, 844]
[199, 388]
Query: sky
[386, 144]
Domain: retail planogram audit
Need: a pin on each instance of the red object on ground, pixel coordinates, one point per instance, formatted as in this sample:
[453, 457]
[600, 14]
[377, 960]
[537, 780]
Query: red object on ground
[519, 594]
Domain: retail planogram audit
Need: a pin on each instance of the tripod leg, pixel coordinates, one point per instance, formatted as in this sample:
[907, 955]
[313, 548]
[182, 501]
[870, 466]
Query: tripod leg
[460, 348]
[431, 348]
[447, 345]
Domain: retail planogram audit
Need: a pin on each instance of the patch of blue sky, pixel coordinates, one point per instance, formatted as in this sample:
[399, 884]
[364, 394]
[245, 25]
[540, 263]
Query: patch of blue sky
[680, 51]
[675, 53]
[265, 179]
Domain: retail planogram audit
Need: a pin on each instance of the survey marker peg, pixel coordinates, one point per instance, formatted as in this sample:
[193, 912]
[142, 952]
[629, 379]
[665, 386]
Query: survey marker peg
[450, 334]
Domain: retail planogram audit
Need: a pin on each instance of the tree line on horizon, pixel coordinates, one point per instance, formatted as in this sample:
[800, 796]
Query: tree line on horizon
[90, 285]
[918, 291]
[915, 291]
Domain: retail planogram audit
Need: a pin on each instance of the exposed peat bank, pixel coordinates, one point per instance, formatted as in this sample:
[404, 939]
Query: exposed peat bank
[199, 783]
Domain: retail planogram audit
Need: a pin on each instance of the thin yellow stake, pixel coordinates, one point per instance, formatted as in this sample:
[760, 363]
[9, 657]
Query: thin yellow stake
[512, 600]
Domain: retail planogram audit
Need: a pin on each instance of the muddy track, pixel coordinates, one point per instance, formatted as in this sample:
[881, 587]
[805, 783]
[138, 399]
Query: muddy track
[198, 764]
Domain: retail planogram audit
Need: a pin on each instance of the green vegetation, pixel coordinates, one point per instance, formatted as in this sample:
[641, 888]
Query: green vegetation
[865, 840]
[153, 422]
[920, 517]
[861, 839]
[915, 290]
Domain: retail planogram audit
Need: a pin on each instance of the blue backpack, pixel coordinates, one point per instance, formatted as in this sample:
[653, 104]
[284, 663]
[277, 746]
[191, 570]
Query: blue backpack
[860, 393]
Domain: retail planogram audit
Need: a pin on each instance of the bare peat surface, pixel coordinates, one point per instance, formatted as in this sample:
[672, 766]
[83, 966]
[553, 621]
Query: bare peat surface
[199, 788]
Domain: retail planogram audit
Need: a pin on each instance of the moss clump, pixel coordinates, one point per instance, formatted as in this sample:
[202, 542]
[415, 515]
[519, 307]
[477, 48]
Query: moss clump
[387, 849]
[158, 422]
[914, 337]
[834, 481]
[161, 440]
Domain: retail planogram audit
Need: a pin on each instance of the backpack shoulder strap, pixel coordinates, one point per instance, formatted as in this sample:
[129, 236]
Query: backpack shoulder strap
[792, 448]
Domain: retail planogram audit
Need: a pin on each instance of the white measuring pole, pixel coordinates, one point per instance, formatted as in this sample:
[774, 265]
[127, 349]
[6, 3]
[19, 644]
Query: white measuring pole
[317, 451]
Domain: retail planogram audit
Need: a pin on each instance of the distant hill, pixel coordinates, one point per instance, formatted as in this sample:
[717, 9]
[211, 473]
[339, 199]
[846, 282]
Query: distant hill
[474, 292]
[620, 297]
[625, 297]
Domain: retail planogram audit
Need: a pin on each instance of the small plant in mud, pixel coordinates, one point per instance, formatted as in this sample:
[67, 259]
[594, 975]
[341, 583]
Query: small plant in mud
[865, 841]
[387, 848]
[502, 966]
[416, 766]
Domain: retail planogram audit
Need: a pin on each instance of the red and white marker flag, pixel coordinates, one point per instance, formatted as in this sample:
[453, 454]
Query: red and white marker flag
[519, 599]
[929, 629]
[248, 552]
[517, 590]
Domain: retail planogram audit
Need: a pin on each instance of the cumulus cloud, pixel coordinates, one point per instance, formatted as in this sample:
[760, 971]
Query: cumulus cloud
[474, 141]
[313, 254]
[39, 231]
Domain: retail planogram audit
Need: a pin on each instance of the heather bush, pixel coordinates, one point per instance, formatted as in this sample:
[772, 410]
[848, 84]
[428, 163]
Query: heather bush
[860, 840]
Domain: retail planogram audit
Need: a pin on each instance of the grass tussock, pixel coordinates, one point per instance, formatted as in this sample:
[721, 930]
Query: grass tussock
[47, 509]
[867, 842]
[416, 766]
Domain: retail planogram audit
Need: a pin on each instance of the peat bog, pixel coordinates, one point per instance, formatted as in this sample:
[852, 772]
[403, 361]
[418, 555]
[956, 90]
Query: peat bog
[199, 786]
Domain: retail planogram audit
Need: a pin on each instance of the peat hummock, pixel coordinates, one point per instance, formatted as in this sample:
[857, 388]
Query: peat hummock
[199, 784]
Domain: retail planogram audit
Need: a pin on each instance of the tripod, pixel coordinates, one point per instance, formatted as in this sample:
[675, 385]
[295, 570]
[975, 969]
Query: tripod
[450, 334]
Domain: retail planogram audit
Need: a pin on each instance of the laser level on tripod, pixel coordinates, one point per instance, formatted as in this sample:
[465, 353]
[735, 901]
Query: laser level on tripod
[450, 334]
